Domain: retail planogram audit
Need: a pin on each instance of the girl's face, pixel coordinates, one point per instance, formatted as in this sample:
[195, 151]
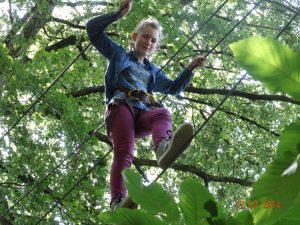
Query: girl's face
[145, 42]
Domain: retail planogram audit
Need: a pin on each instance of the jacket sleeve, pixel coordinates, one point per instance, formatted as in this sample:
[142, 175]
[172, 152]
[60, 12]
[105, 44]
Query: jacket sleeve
[173, 87]
[98, 37]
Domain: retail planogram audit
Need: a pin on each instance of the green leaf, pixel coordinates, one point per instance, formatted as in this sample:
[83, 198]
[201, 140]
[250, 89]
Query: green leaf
[152, 198]
[289, 139]
[196, 203]
[275, 193]
[274, 64]
[244, 218]
[130, 217]
[293, 216]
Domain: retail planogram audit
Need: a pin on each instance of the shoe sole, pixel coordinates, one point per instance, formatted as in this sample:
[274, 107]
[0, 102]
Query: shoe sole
[128, 203]
[180, 142]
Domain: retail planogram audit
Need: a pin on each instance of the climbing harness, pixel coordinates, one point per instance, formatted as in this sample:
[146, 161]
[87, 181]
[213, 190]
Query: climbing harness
[193, 135]
[102, 159]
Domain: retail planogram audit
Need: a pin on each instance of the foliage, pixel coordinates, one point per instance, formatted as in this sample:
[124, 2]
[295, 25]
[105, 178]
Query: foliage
[270, 202]
[196, 204]
[270, 61]
[39, 38]
[278, 72]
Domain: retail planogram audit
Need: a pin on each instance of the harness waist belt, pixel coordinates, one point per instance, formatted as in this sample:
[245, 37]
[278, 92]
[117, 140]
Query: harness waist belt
[139, 95]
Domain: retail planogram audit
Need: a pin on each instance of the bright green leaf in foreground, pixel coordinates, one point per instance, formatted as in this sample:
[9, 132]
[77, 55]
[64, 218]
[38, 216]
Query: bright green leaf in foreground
[276, 194]
[131, 217]
[290, 139]
[196, 203]
[274, 64]
[244, 218]
[292, 218]
[152, 198]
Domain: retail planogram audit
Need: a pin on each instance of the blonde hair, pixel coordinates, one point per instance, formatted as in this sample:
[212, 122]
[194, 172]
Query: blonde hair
[152, 22]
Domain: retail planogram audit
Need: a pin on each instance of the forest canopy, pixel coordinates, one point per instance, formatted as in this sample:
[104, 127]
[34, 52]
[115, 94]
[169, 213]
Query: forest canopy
[54, 150]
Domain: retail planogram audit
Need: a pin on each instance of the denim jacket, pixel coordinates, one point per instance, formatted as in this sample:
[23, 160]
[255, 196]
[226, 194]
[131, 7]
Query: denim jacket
[120, 59]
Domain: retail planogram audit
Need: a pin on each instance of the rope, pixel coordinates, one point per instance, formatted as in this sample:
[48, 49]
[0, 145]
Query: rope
[100, 161]
[190, 38]
[221, 103]
[63, 72]
[161, 69]
[201, 127]
[229, 93]
[47, 89]
[15, 124]
[288, 24]
[76, 150]
[227, 34]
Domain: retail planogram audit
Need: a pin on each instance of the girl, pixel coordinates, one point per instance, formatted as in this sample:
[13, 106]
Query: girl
[132, 111]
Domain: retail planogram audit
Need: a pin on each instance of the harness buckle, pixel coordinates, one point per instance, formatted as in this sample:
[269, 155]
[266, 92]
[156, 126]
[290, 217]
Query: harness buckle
[141, 95]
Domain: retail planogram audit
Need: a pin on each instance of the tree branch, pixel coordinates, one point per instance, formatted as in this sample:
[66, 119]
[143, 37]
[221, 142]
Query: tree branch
[3, 208]
[80, 3]
[253, 25]
[8, 184]
[71, 40]
[30, 27]
[218, 69]
[214, 52]
[233, 114]
[10, 12]
[197, 171]
[202, 91]
[87, 91]
[181, 167]
[250, 96]
[68, 23]
[291, 9]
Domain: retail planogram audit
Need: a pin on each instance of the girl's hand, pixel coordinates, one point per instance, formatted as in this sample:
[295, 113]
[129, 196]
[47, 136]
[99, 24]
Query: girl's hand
[196, 62]
[125, 7]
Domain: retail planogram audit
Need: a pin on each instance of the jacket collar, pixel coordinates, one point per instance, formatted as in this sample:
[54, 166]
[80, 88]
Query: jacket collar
[146, 61]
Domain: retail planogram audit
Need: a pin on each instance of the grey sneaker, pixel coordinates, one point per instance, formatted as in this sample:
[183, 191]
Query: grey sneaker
[169, 150]
[123, 203]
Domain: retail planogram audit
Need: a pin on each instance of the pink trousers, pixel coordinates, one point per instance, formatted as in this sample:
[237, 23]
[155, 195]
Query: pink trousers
[124, 128]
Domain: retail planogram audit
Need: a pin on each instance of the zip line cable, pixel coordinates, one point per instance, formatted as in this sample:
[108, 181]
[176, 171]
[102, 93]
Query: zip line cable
[171, 59]
[229, 93]
[63, 72]
[288, 24]
[227, 34]
[47, 89]
[195, 132]
[190, 38]
[100, 161]
[15, 124]
[39, 183]
[77, 183]
[199, 29]
[241, 79]
[163, 171]
[52, 171]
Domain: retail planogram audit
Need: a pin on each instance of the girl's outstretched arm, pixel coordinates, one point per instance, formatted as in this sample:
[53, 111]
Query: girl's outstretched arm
[196, 62]
[125, 7]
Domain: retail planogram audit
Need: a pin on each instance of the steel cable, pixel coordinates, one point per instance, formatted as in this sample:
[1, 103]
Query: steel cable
[36, 101]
